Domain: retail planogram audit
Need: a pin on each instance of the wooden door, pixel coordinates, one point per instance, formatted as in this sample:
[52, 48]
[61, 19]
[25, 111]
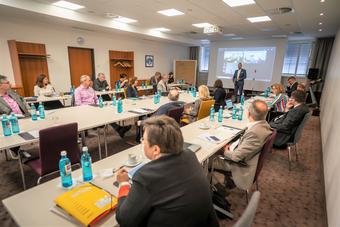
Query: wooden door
[81, 63]
[31, 67]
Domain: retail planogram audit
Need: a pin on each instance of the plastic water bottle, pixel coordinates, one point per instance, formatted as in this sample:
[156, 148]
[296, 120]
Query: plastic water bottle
[6, 126]
[65, 170]
[86, 165]
[33, 113]
[220, 114]
[212, 113]
[116, 86]
[120, 106]
[242, 99]
[233, 116]
[143, 85]
[14, 123]
[41, 110]
[114, 100]
[72, 89]
[240, 114]
[193, 92]
[100, 102]
[155, 98]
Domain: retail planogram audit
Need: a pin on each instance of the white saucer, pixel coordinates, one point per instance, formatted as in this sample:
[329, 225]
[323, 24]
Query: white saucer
[132, 164]
[204, 127]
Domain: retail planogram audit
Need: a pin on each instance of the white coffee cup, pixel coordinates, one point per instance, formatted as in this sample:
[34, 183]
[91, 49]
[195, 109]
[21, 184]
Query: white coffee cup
[132, 158]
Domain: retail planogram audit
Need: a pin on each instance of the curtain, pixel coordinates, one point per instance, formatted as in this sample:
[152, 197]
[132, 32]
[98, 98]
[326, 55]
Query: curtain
[194, 53]
[322, 53]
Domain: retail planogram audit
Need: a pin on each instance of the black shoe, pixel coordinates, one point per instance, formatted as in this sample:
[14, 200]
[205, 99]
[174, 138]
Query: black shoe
[229, 183]
[123, 130]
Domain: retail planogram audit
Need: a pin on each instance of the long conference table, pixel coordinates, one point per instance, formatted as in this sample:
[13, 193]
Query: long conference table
[22, 210]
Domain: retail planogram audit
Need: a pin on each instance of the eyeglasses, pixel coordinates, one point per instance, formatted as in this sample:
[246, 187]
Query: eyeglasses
[5, 82]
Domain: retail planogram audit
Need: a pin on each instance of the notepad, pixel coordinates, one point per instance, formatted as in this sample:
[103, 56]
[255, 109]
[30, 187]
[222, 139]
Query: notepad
[87, 203]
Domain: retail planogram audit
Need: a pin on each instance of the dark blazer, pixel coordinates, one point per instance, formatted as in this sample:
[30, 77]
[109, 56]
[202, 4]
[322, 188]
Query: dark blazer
[168, 106]
[243, 75]
[154, 83]
[219, 96]
[169, 191]
[100, 86]
[131, 92]
[287, 124]
[292, 88]
[5, 109]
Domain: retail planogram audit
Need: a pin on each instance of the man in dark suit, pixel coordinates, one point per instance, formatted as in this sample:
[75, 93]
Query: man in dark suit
[170, 190]
[292, 85]
[173, 97]
[287, 123]
[239, 76]
[154, 81]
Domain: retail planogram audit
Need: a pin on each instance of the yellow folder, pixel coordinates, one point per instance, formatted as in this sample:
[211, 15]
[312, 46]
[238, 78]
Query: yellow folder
[87, 203]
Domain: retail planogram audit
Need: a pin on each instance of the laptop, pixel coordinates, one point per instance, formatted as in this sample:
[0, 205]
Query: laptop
[229, 104]
[191, 147]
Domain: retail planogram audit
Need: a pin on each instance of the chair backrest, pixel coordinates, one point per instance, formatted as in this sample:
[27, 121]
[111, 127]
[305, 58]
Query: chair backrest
[248, 215]
[267, 147]
[204, 109]
[55, 139]
[298, 132]
[176, 113]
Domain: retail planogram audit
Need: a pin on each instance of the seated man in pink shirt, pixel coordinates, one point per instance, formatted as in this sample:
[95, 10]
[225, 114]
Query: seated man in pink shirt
[11, 102]
[85, 94]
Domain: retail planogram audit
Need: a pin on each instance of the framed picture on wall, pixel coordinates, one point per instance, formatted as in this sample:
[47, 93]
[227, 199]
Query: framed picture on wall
[148, 60]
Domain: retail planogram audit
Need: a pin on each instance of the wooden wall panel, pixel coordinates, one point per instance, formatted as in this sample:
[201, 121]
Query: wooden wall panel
[117, 57]
[81, 63]
[31, 48]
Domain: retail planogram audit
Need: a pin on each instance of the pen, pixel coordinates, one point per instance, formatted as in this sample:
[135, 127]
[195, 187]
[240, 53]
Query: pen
[115, 170]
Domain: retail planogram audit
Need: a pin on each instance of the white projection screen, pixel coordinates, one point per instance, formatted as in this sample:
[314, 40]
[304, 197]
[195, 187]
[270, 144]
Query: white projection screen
[258, 61]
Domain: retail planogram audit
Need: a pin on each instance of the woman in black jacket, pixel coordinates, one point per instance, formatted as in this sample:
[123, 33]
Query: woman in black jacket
[219, 95]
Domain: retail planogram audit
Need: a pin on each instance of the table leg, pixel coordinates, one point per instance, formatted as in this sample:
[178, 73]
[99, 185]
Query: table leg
[105, 139]
[99, 146]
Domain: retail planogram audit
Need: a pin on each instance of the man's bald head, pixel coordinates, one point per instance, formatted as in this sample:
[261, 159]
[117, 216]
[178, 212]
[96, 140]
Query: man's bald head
[173, 95]
[258, 110]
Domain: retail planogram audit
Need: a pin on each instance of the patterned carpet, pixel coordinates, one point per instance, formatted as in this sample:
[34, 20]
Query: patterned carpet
[288, 198]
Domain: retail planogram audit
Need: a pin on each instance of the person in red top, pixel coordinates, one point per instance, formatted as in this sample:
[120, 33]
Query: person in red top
[164, 192]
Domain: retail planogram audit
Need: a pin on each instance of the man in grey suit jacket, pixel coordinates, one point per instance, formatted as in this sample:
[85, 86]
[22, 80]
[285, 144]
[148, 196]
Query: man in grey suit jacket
[9, 99]
[249, 147]
[173, 97]
[239, 76]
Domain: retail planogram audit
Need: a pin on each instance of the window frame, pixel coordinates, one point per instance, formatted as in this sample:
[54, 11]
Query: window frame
[201, 56]
[300, 43]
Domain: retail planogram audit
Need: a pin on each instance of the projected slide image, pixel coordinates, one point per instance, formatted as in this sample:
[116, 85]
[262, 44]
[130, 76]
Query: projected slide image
[258, 61]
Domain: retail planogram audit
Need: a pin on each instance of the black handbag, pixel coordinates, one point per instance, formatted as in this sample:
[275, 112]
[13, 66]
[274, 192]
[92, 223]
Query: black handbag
[218, 197]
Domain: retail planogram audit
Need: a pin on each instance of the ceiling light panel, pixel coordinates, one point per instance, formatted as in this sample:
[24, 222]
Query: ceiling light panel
[170, 12]
[161, 29]
[236, 3]
[68, 5]
[202, 25]
[258, 19]
[125, 20]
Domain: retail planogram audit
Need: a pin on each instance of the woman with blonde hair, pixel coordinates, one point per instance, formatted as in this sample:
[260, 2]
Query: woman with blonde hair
[280, 99]
[203, 94]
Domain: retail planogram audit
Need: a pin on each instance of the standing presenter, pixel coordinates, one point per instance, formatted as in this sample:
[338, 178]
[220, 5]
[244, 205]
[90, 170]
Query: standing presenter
[238, 79]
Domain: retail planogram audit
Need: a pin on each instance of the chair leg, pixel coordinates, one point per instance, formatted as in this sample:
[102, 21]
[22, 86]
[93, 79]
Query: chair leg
[247, 196]
[289, 156]
[105, 139]
[21, 170]
[296, 152]
[39, 179]
[257, 185]
[99, 146]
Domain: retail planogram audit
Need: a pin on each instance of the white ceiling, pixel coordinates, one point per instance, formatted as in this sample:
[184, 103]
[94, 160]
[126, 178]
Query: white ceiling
[304, 19]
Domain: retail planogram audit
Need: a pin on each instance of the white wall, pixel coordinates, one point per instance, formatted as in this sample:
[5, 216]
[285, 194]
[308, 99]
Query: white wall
[57, 38]
[280, 45]
[330, 133]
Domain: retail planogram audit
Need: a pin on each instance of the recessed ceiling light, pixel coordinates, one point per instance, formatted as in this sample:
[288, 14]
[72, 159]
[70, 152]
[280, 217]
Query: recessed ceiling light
[205, 41]
[230, 35]
[237, 38]
[321, 14]
[320, 30]
[258, 19]
[235, 3]
[170, 12]
[68, 5]
[320, 23]
[124, 20]
[322, 0]
[161, 29]
[202, 25]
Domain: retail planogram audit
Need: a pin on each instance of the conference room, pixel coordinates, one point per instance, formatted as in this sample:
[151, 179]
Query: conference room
[169, 113]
